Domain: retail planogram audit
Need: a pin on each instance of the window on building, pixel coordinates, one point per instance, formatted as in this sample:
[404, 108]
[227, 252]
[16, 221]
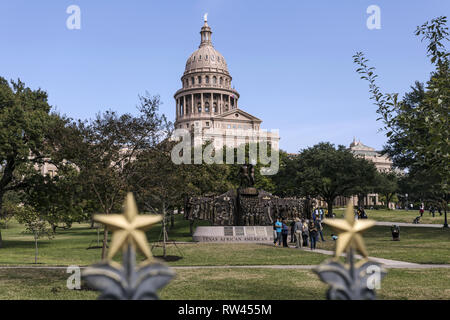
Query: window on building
[214, 80]
[199, 107]
[207, 107]
[199, 79]
[221, 80]
[229, 126]
[207, 123]
[215, 107]
[207, 79]
[192, 81]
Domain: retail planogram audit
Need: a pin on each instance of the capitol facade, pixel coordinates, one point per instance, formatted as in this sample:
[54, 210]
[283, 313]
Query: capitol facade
[208, 106]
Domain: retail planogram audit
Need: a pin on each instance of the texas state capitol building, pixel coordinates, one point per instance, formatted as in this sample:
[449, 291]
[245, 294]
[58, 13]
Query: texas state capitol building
[207, 105]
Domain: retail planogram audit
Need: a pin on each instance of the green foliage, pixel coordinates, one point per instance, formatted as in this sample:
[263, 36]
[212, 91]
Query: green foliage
[326, 172]
[25, 126]
[387, 186]
[417, 126]
[60, 200]
[33, 222]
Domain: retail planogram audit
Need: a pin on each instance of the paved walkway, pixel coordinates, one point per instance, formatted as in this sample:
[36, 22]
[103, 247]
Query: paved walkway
[404, 224]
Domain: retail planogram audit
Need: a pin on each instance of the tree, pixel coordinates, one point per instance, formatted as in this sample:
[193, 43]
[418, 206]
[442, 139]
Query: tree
[328, 172]
[60, 200]
[106, 148]
[35, 225]
[158, 182]
[25, 126]
[417, 126]
[285, 182]
[365, 174]
[387, 186]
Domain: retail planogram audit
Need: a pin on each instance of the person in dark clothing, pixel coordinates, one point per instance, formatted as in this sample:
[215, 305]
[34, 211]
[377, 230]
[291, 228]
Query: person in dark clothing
[274, 232]
[292, 225]
[312, 235]
[285, 233]
[318, 225]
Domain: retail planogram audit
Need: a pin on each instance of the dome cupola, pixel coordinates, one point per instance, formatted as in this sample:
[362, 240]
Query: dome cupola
[206, 58]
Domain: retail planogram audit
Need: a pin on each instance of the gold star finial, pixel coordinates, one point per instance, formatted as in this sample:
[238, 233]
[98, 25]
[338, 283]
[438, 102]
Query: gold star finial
[128, 228]
[349, 231]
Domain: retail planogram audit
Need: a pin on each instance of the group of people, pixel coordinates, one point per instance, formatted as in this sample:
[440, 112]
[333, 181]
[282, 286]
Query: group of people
[302, 231]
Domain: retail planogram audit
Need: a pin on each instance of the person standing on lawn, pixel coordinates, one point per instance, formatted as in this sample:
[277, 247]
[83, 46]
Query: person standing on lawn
[312, 235]
[284, 232]
[298, 227]
[305, 232]
[278, 226]
[292, 227]
[319, 230]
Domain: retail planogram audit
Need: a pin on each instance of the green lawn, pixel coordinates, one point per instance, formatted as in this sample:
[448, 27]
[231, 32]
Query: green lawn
[69, 247]
[222, 284]
[398, 216]
[418, 245]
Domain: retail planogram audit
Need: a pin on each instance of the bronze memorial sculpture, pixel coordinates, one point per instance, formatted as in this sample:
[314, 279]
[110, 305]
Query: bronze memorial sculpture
[246, 206]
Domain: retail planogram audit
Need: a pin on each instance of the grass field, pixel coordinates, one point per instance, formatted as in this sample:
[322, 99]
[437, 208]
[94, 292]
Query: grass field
[420, 245]
[69, 247]
[406, 216]
[417, 245]
[223, 284]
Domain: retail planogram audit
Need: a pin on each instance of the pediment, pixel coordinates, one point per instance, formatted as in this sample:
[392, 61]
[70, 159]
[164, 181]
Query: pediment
[237, 114]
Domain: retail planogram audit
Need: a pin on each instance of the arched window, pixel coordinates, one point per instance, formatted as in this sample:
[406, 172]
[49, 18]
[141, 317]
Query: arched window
[226, 107]
[207, 79]
[215, 107]
[192, 81]
[206, 106]
[214, 80]
[206, 57]
[199, 107]
[221, 80]
[200, 57]
[199, 79]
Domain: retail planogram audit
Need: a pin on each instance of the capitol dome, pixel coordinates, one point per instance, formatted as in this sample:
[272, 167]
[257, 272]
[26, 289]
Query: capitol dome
[206, 58]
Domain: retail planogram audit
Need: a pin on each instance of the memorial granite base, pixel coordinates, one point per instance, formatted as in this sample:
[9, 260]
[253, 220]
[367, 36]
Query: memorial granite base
[234, 234]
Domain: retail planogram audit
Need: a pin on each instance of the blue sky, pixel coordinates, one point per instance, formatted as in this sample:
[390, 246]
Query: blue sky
[291, 61]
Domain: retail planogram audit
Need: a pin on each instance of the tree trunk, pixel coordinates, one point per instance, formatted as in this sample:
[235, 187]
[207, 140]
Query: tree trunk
[191, 227]
[105, 241]
[361, 200]
[172, 220]
[35, 248]
[330, 207]
[445, 217]
[1, 215]
[388, 200]
[164, 228]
